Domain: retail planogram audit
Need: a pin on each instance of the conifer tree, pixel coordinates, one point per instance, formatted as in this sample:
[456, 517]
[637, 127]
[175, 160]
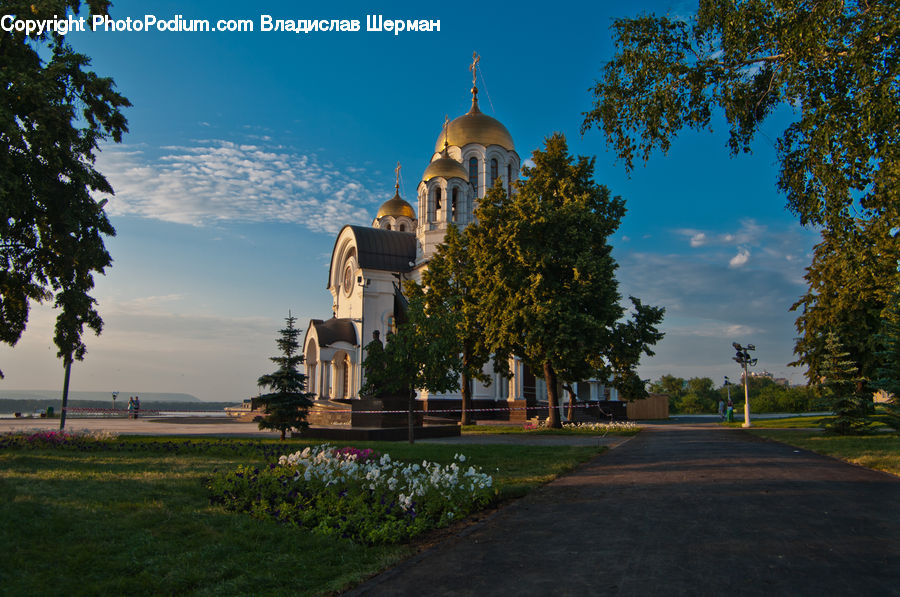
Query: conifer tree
[843, 390]
[287, 405]
[888, 372]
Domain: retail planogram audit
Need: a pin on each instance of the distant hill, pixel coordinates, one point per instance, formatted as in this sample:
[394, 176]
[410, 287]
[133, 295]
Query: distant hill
[101, 396]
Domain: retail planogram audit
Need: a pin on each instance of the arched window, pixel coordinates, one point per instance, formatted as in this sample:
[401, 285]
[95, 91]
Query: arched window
[437, 199]
[473, 173]
[402, 227]
[508, 177]
[454, 203]
[387, 227]
[494, 171]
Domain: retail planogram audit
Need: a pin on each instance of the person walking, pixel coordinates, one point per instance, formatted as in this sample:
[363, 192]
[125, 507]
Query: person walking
[131, 407]
[721, 409]
[137, 407]
[729, 411]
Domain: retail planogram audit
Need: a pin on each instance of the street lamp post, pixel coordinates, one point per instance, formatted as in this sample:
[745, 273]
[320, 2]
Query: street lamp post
[743, 359]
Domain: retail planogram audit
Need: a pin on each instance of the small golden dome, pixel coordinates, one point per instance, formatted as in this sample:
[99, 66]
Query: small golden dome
[445, 167]
[396, 207]
[475, 127]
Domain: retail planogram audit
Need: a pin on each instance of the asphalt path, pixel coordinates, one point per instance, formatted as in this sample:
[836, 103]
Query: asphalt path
[678, 510]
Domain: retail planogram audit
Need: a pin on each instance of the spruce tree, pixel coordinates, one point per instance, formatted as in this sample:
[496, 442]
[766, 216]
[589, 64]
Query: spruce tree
[888, 372]
[843, 390]
[287, 405]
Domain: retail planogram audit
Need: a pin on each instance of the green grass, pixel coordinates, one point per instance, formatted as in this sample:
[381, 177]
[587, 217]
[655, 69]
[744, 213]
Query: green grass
[134, 518]
[520, 430]
[880, 451]
[798, 422]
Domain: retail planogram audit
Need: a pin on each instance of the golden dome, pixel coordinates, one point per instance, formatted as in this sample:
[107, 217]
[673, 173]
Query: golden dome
[475, 127]
[445, 167]
[397, 208]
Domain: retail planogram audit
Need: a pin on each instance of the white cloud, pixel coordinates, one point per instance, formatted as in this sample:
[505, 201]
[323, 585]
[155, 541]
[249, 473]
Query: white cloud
[740, 259]
[220, 181]
[698, 240]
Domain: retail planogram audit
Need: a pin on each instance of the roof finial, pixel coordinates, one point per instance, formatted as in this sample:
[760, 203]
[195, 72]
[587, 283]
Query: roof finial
[397, 184]
[474, 68]
[446, 132]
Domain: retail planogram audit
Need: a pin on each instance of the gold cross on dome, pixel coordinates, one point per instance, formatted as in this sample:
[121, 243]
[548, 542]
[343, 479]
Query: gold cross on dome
[397, 172]
[446, 131]
[475, 60]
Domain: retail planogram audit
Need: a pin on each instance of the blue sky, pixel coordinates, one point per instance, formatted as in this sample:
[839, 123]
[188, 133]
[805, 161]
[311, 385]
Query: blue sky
[248, 151]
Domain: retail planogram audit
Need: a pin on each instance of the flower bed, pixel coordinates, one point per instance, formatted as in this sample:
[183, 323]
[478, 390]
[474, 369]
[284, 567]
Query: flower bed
[41, 438]
[604, 428]
[355, 494]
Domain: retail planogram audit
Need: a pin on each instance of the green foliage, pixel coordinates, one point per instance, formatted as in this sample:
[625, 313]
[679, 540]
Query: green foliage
[287, 405]
[54, 113]
[835, 65]
[697, 395]
[833, 61]
[421, 354]
[449, 287]
[546, 277]
[843, 389]
[888, 371]
[851, 283]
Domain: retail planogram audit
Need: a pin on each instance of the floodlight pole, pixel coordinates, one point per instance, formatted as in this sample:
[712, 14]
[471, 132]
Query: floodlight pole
[743, 358]
[746, 398]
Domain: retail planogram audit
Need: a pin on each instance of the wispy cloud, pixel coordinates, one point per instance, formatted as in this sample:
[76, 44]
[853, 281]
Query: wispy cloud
[214, 181]
[734, 284]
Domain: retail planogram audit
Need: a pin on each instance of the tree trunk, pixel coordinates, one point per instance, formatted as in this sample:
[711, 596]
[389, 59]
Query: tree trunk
[552, 397]
[411, 419]
[572, 400]
[65, 395]
[282, 434]
[465, 418]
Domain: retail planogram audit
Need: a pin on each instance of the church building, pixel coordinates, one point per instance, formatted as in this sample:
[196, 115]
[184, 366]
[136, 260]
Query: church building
[369, 264]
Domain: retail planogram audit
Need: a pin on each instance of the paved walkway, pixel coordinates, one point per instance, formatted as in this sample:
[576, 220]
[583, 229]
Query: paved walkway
[678, 511]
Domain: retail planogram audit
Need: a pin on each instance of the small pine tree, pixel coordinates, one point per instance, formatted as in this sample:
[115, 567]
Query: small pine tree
[287, 405]
[843, 389]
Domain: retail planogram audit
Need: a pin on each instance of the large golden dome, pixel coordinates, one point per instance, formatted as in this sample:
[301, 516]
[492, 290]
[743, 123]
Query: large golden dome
[475, 127]
[396, 207]
[445, 167]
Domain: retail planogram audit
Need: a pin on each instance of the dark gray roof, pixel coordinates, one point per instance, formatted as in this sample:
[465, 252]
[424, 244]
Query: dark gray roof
[385, 250]
[335, 330]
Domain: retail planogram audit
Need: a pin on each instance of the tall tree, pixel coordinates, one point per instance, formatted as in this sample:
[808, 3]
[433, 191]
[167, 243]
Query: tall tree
[287, 405]
[54, 113]
[448, 285]
[834, 63]
[546, 281]
[851, 281]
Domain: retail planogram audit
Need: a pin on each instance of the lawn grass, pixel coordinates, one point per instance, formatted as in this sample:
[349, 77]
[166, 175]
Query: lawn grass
[880, 451]
[520, 430]
[796, 422]
[133, 517]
